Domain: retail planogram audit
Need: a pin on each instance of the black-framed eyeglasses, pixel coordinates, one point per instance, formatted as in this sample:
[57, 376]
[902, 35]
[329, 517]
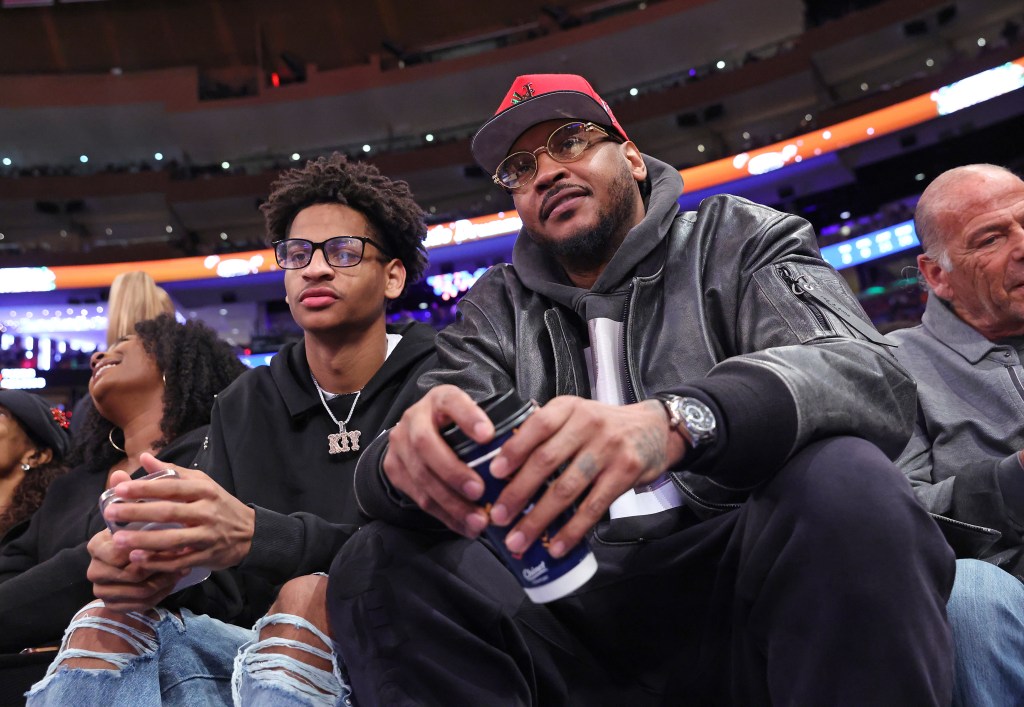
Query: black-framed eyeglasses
[340, 251]
[566, 144]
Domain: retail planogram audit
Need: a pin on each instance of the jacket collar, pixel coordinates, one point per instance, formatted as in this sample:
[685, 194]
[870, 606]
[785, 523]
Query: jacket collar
[942, 322]
[291, 375]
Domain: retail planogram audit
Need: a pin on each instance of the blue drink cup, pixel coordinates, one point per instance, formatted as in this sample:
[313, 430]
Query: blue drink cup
[543, 577]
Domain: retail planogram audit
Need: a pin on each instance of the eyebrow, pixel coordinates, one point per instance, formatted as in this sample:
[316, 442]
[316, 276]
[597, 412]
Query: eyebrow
[999, 225]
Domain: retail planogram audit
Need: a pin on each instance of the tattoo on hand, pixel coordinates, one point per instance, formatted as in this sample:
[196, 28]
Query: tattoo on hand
[588, 466]
[650, 447]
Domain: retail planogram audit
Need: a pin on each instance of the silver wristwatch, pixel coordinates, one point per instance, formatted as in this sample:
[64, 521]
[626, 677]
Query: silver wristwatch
[691, 418]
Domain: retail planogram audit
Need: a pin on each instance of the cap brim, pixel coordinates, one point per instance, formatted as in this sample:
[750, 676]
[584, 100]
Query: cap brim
[492, 142]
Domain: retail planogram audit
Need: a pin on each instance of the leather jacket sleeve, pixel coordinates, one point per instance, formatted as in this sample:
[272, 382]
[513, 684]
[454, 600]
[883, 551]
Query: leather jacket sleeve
[737, 307]
[796, 358]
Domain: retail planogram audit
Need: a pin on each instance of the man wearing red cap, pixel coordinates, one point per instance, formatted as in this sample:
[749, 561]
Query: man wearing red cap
[719, 413]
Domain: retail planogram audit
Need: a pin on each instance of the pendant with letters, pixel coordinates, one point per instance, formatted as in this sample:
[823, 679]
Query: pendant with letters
[343, 441]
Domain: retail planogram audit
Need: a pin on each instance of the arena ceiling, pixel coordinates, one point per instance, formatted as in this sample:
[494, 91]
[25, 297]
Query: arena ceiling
[355, 93]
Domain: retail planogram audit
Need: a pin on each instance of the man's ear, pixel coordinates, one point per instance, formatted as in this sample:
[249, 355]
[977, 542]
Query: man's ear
[935, 276]
[394, 272]
[636, 161]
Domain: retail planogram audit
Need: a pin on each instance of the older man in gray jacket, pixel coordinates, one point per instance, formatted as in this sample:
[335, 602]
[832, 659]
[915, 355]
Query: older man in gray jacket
[965, 456]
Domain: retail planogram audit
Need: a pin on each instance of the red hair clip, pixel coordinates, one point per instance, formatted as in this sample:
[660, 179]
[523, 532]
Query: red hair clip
[60, 417]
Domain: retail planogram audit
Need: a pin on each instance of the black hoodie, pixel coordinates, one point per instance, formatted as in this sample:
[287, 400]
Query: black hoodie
[268, 446]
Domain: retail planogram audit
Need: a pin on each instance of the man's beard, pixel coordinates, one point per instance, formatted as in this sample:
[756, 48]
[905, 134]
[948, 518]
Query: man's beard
[588, 248]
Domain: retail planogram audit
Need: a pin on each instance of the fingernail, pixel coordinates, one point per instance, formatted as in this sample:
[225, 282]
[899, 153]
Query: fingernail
[120, 540]
[557, 549]
[516, 541]
[498, 467]
[136, 556]
[481, 430]
[499, 514]
[472, 489]
[475, 523]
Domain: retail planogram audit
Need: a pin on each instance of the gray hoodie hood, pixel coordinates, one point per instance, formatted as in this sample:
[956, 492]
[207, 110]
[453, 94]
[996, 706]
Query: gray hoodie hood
[541, 273]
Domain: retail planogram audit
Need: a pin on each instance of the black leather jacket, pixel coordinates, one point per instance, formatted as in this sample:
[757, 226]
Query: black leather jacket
[731, 304]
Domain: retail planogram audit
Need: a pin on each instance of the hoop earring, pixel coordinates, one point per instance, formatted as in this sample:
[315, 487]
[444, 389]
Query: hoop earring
[110, 436]
[163, 377]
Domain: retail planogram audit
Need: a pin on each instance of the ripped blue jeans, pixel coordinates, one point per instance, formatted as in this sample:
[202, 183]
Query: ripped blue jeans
[190, 660]
[266, 677]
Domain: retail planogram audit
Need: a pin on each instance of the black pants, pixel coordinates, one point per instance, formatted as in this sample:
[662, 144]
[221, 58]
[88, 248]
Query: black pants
[827, 587]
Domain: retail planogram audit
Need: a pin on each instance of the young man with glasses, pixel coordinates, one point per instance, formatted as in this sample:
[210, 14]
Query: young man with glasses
[716, 410]
[275, 502]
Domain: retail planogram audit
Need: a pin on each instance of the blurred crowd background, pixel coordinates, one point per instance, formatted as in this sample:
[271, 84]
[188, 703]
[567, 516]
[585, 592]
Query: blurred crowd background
[143, 134]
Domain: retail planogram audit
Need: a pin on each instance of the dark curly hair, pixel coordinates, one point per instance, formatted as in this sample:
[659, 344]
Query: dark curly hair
[29, 494]
[387, 204]
[196, 365]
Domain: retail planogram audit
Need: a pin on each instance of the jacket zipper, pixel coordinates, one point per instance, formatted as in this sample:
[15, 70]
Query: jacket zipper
[816, 298]
[962, 524]
[631, 397]
[628, 387]
[703, 503]
[798, 290]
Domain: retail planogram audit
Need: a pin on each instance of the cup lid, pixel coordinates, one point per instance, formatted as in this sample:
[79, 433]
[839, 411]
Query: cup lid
[505, 410]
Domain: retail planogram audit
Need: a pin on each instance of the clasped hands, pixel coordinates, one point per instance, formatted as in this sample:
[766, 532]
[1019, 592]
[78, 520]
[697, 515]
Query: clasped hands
[134, 570]
[606, 450]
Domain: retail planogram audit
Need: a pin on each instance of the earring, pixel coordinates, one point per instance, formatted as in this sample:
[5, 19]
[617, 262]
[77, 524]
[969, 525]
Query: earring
[110, 436]
[25, 467]
[163, 377]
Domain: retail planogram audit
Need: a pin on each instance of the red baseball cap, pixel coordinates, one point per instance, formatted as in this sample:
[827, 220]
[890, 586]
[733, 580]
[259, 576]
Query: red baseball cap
[533, 99]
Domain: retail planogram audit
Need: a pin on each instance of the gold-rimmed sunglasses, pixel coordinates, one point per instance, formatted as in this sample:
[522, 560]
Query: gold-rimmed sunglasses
[566, 144]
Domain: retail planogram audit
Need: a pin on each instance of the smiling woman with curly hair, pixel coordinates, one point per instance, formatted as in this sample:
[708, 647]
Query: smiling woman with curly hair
[152, 392]
[194, 366]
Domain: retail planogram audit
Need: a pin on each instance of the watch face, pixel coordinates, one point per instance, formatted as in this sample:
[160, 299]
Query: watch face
[692, 418]
[698, 416]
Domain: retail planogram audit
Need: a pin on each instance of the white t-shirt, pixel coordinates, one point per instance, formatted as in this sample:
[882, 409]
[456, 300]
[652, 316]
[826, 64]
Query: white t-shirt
[605, 367]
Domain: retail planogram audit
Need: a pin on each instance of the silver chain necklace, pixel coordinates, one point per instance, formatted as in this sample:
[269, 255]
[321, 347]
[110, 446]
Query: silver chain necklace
[344, 440]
